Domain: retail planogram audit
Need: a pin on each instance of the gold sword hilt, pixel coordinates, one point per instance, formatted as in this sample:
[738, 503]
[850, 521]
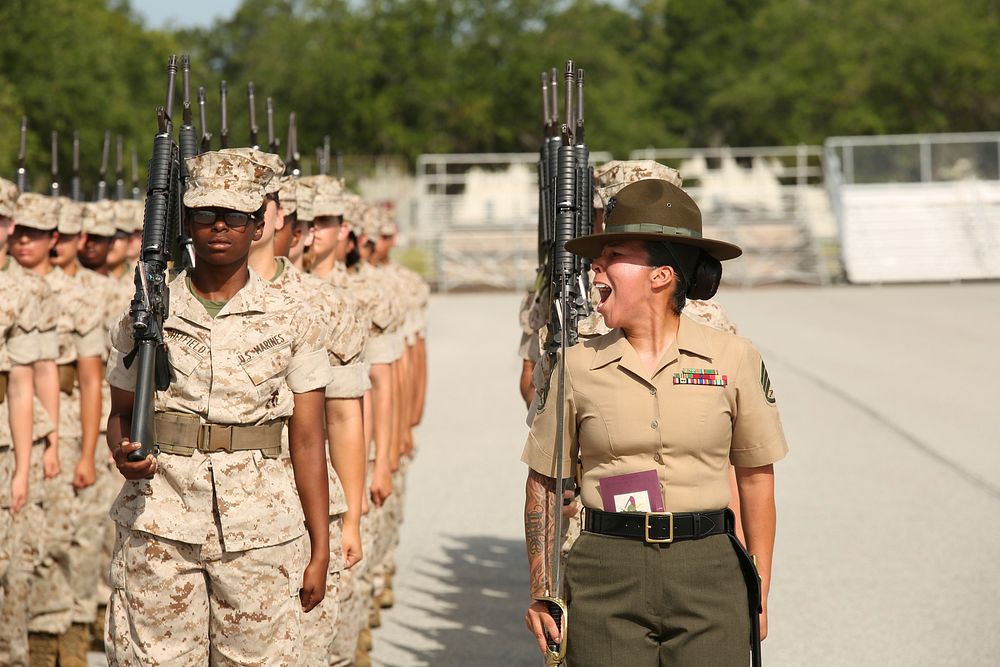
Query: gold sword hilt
[556, 653]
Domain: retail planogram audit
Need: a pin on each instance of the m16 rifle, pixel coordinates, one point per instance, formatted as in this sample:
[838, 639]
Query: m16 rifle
[75, 189]
[120, 168]
[136, 193]
[252, 103]
[568, 179]
[206, 136]
[54, 186]
[272, 140]
[292, 149]
[187, 136]
[102, 181]
[150, 306]
[22, 157]
[224, 127]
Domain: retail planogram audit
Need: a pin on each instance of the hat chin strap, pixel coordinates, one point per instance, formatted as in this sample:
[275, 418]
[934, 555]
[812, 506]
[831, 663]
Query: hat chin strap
[650, 228]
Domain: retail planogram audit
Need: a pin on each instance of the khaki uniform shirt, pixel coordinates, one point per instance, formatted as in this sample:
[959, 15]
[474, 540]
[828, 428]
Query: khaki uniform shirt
[238, 368]
[621, 420]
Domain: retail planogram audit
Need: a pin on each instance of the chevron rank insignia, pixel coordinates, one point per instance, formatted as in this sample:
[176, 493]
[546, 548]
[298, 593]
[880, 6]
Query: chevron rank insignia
[765, 384]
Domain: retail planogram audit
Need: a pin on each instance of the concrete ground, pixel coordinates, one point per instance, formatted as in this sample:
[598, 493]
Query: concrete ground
[888, 547]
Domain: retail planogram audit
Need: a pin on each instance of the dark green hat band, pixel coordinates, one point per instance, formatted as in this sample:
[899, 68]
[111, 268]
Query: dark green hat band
[652, 228]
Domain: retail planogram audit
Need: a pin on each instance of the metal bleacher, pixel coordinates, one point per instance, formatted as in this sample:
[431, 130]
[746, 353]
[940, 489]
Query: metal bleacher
[917, 208]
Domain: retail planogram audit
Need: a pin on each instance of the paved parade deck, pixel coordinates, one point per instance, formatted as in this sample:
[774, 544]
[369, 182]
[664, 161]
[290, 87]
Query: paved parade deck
[889, 501]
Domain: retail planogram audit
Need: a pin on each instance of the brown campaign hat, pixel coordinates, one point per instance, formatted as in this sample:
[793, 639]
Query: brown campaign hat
[8, 197]
[37, 211]
[652, 210]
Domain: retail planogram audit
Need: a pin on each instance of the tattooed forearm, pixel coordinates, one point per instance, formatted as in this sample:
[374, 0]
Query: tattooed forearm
[539, 501]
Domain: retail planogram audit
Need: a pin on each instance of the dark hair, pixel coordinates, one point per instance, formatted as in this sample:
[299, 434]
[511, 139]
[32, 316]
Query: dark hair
[353, 256]
[698, 273]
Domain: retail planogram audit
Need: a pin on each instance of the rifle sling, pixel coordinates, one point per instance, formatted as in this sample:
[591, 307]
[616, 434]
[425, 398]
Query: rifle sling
[181, 435]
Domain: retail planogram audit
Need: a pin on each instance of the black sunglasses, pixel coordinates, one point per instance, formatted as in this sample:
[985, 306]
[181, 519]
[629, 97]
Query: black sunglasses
[206, 217]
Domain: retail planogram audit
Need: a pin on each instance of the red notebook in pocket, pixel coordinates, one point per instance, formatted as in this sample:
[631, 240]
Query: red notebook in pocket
[634, 492]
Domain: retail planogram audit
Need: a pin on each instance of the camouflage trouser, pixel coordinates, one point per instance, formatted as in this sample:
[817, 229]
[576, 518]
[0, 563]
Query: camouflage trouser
[27, 542]
[355, 597]
[175, 603]
[8, 547]
[108, 486]
[50, 601]
[345, 640]
[388, 538]
[319, 626]
[85, 549]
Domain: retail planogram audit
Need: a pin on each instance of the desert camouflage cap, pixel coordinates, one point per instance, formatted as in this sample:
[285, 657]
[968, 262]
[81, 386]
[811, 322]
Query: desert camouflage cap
[124, 215]
[612, 176]
[305, 190]
[37, 211]
[70, 216]
[269, 160]
[354, 209]
[99, 218]
[387, 221]
[369, 220]
[329, 197]
[8, 197]
[226, 180]
[288, 195]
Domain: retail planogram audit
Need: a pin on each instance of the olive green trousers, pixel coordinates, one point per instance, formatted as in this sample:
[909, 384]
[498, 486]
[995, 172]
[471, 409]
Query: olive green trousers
[633, 604]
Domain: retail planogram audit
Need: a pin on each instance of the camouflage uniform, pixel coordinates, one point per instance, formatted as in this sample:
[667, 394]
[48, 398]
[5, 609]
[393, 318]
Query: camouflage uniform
[19, 346]
[209, 553]
[344, 345]
[30, 525]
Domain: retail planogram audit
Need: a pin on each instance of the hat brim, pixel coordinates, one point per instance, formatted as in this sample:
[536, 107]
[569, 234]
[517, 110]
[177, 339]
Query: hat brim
[592, 245]
[208, 197]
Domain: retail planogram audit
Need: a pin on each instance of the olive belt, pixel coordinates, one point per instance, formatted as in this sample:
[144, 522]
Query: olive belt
[67, 377]
[3, 387]
[183, 434]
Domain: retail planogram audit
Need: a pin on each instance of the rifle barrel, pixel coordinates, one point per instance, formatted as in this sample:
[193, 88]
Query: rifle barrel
[224, 127]
[54, 187]
[251, 101]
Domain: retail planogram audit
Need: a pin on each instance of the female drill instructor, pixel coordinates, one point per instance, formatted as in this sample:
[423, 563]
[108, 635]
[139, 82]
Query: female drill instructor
[208, 563]
[665, 394]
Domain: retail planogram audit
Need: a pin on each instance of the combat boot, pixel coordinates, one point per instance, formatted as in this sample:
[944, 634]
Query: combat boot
[73, 646]
[361, 658]
[365, 639]
[97, 630]
[387, 599]
[43, 649]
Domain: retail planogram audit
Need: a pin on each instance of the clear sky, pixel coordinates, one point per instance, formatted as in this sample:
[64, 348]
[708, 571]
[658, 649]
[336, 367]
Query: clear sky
[183, 13]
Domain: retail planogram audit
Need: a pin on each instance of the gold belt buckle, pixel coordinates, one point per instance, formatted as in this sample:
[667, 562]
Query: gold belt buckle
[670, 537]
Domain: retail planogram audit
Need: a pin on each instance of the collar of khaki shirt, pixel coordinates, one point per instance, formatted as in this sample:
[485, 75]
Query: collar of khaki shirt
[183, 304]
[615, 347]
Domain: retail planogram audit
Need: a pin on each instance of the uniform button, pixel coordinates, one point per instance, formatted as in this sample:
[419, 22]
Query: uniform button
[654, 424]
[658, 458]
[652, 391]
